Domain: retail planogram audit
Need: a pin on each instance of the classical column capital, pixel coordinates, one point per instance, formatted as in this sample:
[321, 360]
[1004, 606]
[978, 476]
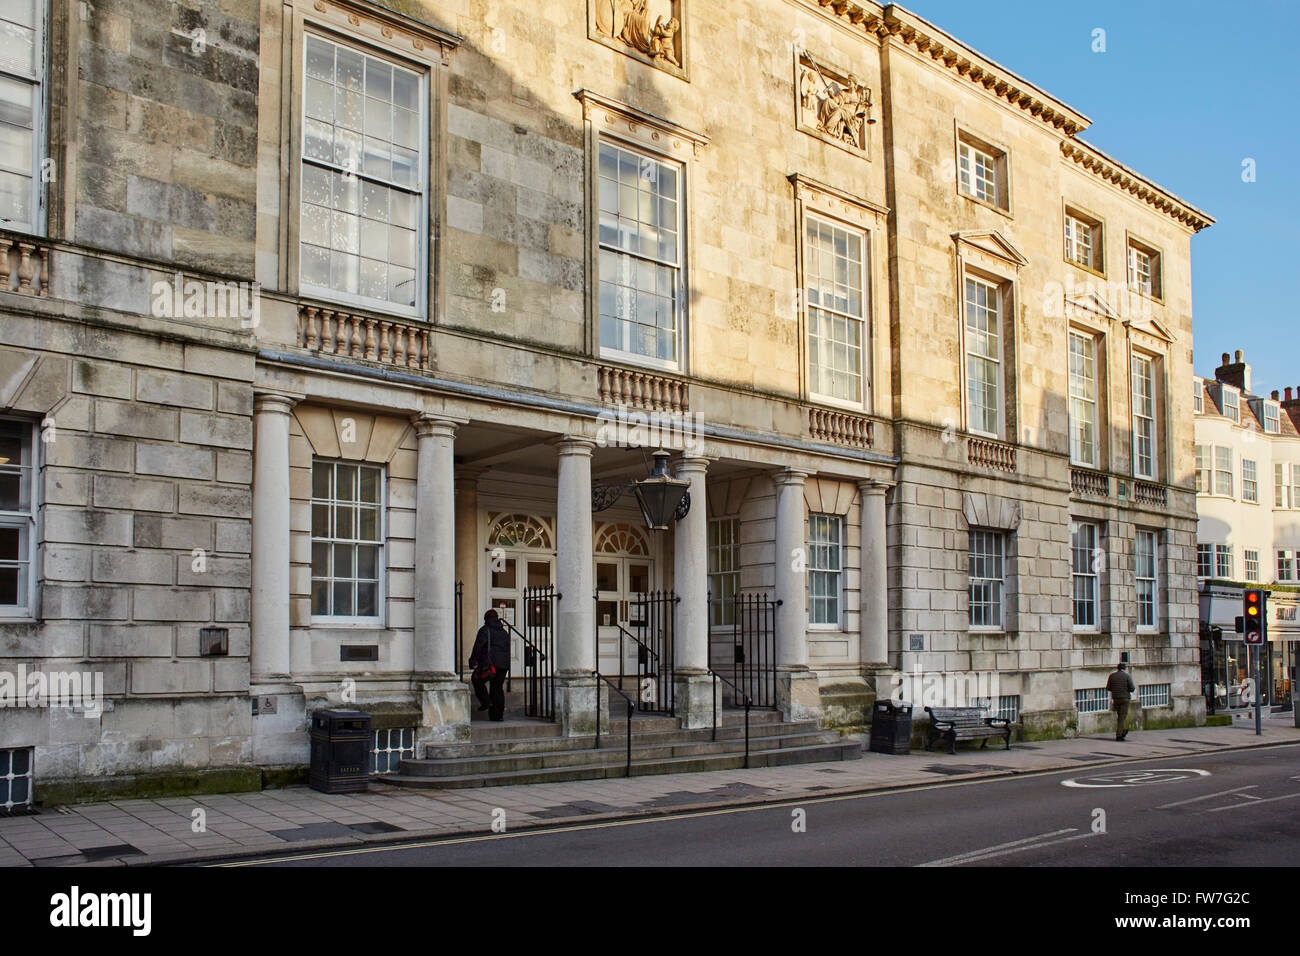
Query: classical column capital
[468, 475]
[692, 464]
[275, 403]
[789, 476]
[875, 486]
[434, 426]
[575, 445]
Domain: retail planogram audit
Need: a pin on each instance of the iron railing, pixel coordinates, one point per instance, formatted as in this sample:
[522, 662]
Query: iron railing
[753, 666]
[538, 647]
[746, 701]
[460, 629]
[652, 629]
[631, 708]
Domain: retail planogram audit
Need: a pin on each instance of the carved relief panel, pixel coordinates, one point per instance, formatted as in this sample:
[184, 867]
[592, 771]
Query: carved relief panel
[649, 30]
[831, 104]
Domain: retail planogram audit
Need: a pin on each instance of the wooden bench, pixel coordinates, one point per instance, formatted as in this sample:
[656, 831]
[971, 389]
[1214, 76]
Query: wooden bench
[965, 723]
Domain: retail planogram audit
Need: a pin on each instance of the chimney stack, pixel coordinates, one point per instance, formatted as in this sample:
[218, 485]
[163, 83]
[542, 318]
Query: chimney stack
[1236, 374]
[1291, 405]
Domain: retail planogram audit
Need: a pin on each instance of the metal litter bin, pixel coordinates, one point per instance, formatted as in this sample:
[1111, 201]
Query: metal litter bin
[891, 727]
[340, 751]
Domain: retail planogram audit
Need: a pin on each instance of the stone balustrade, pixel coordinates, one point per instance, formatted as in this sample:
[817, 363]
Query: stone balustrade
[841, 428]
[1148, 493]
[990, 454]
[656, 393]
[24, 265]
[347, 334]
[1089, 484]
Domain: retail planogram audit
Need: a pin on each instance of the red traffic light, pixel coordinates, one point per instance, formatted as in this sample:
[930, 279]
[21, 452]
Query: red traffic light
[1252, 597]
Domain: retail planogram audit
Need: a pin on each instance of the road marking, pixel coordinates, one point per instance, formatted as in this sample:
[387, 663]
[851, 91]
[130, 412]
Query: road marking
[972, 854]
[792, 801]
[1208, 796]
[1032, 846]
[1132, 778]
[1258, 800]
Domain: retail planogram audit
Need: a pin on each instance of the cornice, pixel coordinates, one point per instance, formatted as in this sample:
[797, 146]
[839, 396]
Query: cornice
[1104, 167]
[894, 22]
[391, 24]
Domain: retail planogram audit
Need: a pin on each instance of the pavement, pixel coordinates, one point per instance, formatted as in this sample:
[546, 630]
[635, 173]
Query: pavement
[293, 819]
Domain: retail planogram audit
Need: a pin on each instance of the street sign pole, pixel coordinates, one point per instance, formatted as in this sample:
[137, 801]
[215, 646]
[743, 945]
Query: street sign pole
[1259, 684]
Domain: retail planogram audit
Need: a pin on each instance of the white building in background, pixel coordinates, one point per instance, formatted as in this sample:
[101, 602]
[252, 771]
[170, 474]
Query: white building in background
[1248, 533]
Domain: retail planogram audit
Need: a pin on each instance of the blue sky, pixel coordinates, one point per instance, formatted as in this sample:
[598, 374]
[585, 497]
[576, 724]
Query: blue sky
[1183, 94]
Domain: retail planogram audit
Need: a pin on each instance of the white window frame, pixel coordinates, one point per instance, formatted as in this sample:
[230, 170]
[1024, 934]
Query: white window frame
[1272, 419]
[1092, 700]
[977, 171]
[1143, 369]
[1090, 533]
[1220, 472]
[721, 607]
[1249, 560]
[1144, 269]
[1084, 382]
[860, 319]
[1279, 484]
[1223, 562]
[987, 571]
[830, 546]
[1204, 469]
[1198, 396]
[1083, 237]
[1147, 548]
[424, 142]
[38, 80]
[1295, 484]
[1286, 565]
[24, 519]
[381, 559]
[678, 266]
[1249, 481]
[1226, 393]
[1204, 559]
[998, 323]
[1153, 695]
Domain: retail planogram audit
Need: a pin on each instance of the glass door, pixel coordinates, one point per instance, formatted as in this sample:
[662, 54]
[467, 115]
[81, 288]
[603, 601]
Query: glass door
[618, 581]
[509, 575]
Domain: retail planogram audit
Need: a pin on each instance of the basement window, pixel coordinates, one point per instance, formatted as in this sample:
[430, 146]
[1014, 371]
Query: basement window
[390, 747]
[16, 778]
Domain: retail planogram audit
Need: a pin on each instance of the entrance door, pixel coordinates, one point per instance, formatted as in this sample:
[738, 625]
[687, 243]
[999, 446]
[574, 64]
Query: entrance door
[509, 573]
[618, 581]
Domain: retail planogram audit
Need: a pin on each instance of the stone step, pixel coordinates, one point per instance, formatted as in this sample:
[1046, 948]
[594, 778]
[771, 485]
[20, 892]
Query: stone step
[482, 745]
[513, 729]
[539, 759]
[845, 749]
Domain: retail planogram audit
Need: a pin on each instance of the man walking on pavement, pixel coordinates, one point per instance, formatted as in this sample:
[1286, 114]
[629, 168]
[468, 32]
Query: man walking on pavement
[1121, 688]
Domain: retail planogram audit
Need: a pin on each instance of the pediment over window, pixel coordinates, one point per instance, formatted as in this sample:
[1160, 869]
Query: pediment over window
[1152, 328]
[991, 243]
[1092, 303]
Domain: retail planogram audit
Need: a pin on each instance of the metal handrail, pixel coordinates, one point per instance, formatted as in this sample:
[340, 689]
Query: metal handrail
[520, 634]
[627, 633]
[748, 705]
[631, 707]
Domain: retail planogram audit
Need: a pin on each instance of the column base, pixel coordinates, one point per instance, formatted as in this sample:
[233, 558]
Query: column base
[798, 695]
[577, 701]
[444, 712]
[693, 700]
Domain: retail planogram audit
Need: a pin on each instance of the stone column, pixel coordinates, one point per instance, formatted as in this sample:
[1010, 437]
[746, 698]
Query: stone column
[269, 599]
[693, 688]
[873, 629]
[577, 690]
[468, 556]
[444, 697]
[796, 686]
[279, 707]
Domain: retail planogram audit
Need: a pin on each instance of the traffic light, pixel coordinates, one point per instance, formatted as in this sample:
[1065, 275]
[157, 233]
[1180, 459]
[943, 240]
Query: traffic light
[1253, 602]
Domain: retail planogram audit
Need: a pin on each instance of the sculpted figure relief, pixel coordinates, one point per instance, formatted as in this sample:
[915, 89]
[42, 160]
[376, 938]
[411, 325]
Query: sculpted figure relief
[634, 23]
[836, 106]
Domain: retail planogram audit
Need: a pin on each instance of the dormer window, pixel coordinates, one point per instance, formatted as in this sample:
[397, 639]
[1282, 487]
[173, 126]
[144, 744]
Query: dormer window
[1272, 423]
[1230, 406]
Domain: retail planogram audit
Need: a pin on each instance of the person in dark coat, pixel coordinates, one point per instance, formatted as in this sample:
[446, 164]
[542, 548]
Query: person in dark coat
[1121, 688]
[490, 662]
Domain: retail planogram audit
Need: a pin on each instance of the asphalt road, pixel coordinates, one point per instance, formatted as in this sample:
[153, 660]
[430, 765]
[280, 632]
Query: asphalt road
[1240, 808]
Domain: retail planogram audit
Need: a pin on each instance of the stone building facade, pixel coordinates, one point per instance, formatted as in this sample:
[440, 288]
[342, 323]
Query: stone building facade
[325, 312]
